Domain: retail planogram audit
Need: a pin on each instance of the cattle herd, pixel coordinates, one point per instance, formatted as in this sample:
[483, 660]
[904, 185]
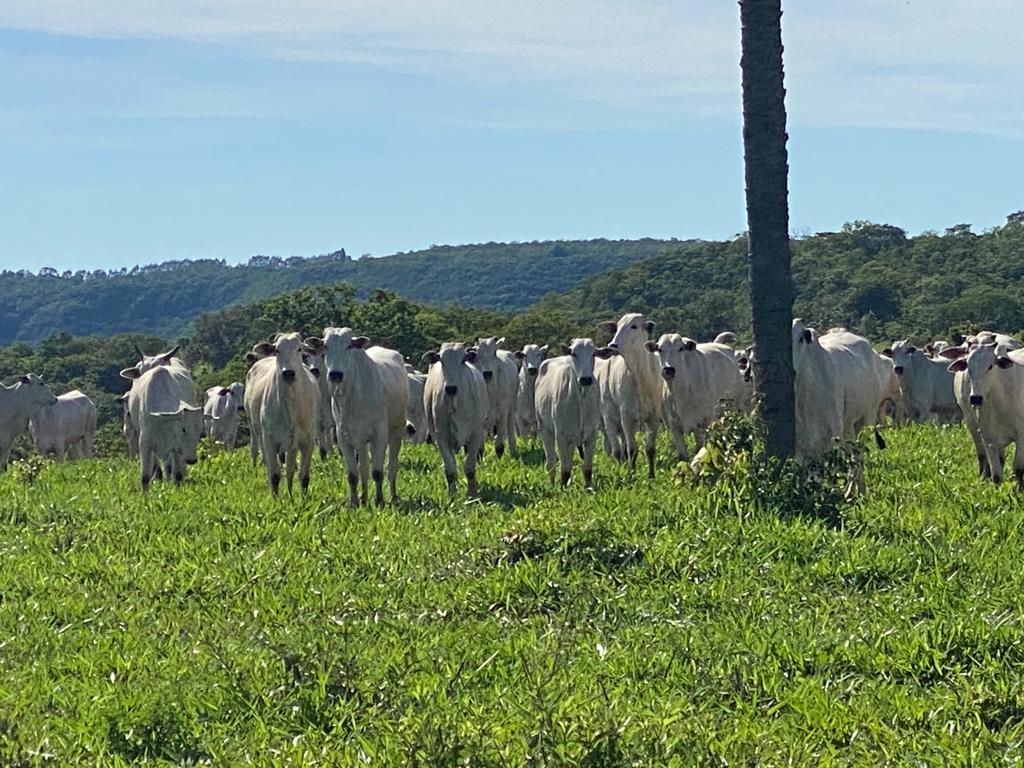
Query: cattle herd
[340, 390]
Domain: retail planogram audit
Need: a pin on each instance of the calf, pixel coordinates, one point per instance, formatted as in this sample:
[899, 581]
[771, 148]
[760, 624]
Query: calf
[369, 396]
[283, 402]
[568, 408]
[455, 397]
[416, 412]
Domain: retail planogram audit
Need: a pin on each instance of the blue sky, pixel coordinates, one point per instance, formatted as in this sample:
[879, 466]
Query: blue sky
[134, 131]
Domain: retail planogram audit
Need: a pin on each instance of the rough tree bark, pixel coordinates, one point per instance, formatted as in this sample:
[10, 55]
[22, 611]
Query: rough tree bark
[767, 168]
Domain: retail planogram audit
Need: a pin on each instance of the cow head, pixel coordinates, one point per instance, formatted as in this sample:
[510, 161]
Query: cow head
[287, 349]
[487, 355]
[903, 355]
[531, 356]
[980, 365]
[338, 347]
[454, 357]
[582, 353]
[237, 389]
[630, 334]
[672, 351]
[32, 390]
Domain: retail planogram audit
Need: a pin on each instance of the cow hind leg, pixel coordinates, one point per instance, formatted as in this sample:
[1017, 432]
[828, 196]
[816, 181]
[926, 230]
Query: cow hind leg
[651, 442]
[394, 446]
[377, 449]
[587, 451]
[547, 439]
[272, 464]
[470, 469]
[448, 460]
[364, 473]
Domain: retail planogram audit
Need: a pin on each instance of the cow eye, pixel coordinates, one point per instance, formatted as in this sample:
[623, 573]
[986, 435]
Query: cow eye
[633, 327]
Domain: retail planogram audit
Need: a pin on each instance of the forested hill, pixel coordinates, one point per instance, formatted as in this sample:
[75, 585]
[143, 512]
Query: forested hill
[165, 298]
[871, 278]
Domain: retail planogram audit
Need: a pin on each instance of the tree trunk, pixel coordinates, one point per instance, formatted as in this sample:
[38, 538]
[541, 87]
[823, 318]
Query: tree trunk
[766, 163]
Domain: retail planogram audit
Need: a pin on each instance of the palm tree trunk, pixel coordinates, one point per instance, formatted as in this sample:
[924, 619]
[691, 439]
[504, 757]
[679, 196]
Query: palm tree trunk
[766, 163]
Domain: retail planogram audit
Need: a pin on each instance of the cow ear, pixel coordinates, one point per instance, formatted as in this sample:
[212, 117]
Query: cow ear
[470, 355]
[689, 345]
[500, 342]
[952, 353]
[519, 354]
[957, 365]
[1004, 362]
[130, 373]
[566, 349]
[431, 356]
[25, 380]
[808, 336]
[264, 348]
[911, 350]
[544, 349]
[316, 344]
[605, 352]
[360, 342]
[652, 346]
[743, 363]
[609, 325]
[649, 326]
[887, 352]
[224, 392]
[250, 358]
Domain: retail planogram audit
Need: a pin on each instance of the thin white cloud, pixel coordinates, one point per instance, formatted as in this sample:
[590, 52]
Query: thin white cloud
[941, 64]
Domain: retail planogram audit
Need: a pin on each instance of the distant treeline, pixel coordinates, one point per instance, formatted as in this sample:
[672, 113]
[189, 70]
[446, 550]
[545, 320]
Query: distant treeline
[165, 299]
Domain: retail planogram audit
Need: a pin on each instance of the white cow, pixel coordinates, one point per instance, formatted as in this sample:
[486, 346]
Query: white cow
[568, 408]
[926, 383]
[530, 357]
[282, 399]
[698, 377]
[220, 412]
[369, 397]
[989, 386]
[18, 404]
[501, 377]
[416, 412]
[631, 389]
[162, 406]
[455, 397]
[68, 427]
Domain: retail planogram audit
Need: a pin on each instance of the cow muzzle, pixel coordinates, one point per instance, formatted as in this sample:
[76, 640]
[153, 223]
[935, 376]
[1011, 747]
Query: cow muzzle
[451, 390]
[288, 374]
[488, 375]
[336, 376]
[976, 400]
[586, 381]
[531, 371]
[668, 372]
[899, 370]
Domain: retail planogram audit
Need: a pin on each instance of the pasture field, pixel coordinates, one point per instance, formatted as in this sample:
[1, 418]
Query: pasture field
[640, 624]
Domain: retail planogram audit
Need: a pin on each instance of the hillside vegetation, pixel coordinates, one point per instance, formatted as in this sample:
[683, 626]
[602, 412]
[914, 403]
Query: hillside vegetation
[641, 624]
[872, 278]
[164, 298]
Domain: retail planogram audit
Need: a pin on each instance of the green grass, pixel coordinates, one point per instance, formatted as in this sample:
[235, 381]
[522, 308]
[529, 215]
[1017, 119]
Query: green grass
[641, 624]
